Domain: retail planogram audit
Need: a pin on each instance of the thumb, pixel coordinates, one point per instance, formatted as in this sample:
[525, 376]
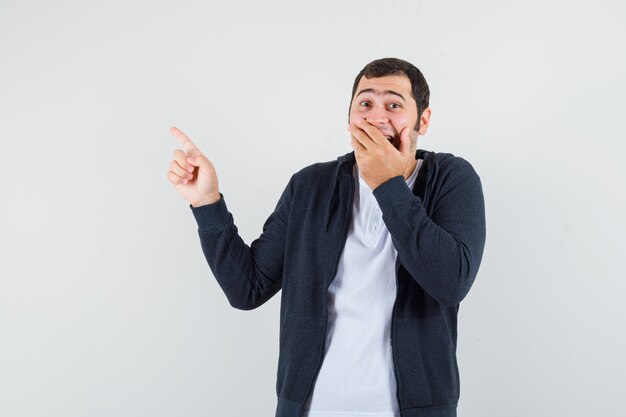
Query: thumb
[200, 161]
[408, 138]
[194, 160]
[405, 141]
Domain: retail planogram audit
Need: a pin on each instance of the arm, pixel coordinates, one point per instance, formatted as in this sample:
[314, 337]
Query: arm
[248, 275]
[442, 252]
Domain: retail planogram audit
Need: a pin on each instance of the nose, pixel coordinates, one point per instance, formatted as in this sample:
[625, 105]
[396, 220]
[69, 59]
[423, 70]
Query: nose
[377, 116]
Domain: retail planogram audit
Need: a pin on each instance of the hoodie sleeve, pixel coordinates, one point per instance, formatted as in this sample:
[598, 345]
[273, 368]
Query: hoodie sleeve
[441, 252]
[248, 275]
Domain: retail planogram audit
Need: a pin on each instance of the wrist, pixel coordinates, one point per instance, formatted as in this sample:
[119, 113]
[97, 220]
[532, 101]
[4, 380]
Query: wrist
[208, 200]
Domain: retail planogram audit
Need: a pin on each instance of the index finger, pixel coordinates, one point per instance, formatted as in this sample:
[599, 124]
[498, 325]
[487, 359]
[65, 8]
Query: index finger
[185, 142]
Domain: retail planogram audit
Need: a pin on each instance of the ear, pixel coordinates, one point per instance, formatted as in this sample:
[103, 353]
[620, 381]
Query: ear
[424, 121]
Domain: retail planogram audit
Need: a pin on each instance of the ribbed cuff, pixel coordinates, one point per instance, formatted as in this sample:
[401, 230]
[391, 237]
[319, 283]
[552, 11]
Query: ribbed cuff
[211, 216]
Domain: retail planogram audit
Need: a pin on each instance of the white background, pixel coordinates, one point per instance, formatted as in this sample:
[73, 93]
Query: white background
[107, 306]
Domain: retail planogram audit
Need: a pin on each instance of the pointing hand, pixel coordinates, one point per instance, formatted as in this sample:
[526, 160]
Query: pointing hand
[192, 174]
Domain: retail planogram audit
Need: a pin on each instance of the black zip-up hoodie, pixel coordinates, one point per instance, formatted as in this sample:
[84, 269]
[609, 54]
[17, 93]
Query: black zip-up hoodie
[438, 230]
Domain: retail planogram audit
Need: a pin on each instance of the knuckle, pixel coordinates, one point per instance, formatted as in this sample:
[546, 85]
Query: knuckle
[176, 168]
[173, 177]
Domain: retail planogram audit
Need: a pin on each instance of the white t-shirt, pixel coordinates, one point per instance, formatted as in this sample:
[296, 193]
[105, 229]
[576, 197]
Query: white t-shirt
[356, 378]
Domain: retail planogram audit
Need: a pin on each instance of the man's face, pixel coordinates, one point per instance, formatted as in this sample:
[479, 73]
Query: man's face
[386, 102]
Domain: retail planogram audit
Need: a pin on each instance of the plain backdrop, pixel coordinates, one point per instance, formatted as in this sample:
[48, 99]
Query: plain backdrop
[107, 306]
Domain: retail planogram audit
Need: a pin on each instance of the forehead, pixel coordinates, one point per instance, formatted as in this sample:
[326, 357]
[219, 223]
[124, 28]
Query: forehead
[399, 83]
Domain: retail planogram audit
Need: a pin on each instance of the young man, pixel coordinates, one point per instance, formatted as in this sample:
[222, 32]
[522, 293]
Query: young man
[373, 251]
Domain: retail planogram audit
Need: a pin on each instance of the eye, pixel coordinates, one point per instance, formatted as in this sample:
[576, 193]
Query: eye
[394, 104]
[362, 103]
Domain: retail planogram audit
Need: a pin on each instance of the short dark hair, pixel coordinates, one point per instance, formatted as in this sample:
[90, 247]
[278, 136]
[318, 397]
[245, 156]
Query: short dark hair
[395, 66]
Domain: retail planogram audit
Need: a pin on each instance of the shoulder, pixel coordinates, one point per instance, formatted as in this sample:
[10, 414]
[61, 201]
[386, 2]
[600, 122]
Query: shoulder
[318, 172]
[445, 172]
[447, 166]
[317, 168]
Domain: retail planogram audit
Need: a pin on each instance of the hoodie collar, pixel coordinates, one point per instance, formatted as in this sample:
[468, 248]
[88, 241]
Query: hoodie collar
[344, 166]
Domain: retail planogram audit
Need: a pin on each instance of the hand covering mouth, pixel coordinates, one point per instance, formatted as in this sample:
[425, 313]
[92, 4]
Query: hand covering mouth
[388, 132]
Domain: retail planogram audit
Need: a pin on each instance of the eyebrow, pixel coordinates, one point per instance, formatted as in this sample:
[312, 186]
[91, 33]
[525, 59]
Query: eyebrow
[371, 90]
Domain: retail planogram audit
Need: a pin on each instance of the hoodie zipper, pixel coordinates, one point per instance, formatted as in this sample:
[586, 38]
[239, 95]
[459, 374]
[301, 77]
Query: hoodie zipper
[393, 349]
[345, 235]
